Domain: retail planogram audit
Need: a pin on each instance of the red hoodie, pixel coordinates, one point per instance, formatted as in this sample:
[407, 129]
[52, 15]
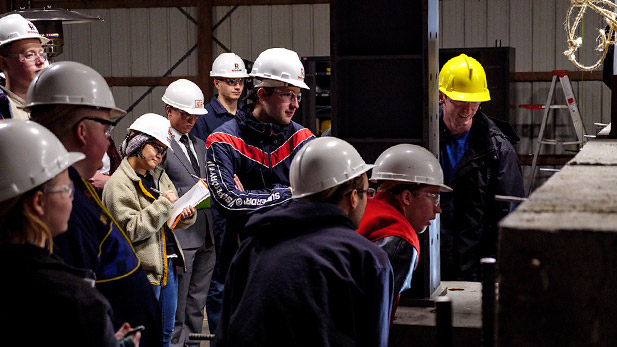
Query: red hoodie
[383, 218]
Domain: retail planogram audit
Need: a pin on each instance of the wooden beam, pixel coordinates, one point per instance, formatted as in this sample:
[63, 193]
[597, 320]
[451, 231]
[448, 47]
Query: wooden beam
[204, 47]
[547, 76]
[545, 159]
[144, 81]
[106, 4]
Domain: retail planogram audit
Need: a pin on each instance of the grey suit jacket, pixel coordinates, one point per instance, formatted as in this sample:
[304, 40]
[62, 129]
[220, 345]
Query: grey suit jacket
[179, 170]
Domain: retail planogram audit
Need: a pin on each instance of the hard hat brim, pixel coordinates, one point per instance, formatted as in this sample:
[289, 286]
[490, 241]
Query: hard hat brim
[467, 97]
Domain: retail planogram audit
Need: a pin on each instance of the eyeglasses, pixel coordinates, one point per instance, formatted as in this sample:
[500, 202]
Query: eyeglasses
[162, 150]
[110, 125]
[68, 188]
[232, 81]
[370, 193]
[289, 95]
[28, 56]
[186, 115]
[458, 103]
[435, 197]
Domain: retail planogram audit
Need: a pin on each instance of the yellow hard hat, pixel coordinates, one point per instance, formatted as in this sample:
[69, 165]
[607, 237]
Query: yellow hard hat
[463, 78]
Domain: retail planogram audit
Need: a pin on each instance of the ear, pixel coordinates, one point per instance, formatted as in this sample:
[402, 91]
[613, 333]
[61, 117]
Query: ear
[80, 133]
[354, 199]
[168, 110]
[36, 204]
[216, 83]
[407, 197]
[442, 98]
[261, 92]
[3, 65]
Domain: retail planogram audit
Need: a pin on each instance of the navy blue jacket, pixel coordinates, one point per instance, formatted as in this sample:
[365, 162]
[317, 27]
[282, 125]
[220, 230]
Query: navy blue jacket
[5, 106]
[217, 115]
[95, 241]
[260, 154]
[304, 277]
[470, 213]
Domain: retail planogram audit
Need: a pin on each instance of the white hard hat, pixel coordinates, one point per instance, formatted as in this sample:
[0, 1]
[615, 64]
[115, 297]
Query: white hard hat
[31, 155]
[15, 27]
[154, 125]
[324, 163]
[228, 65]
[409, 163]
[186, 96]
[278, 67]
[71, 83]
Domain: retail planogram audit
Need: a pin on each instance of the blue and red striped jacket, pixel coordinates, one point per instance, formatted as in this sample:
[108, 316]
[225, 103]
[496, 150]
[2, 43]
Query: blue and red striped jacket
[260, 154]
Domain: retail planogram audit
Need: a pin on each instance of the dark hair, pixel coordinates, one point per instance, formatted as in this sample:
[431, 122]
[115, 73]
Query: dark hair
[339, 191]
[254, 98]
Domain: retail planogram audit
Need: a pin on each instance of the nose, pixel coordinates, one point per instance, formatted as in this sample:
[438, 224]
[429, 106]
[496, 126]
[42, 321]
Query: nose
[438, 209]
[294, 102]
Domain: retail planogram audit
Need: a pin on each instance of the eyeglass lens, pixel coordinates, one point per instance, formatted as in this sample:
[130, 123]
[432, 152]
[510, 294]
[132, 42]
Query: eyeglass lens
[288, 96]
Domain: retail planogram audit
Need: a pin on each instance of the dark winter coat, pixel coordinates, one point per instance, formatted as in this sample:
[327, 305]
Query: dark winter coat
[470, 214]
[304, 277]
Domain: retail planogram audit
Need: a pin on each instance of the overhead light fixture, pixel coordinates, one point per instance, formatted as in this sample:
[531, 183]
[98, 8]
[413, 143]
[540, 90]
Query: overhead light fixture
[49, 23]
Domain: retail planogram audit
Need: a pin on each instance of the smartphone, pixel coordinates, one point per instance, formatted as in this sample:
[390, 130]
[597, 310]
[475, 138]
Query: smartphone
[135, 330]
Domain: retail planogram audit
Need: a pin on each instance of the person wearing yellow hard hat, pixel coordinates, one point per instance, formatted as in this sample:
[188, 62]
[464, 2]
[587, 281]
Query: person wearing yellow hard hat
[478, 161]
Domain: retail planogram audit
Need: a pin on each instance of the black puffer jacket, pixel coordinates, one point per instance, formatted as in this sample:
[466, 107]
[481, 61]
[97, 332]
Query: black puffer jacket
[470, 213]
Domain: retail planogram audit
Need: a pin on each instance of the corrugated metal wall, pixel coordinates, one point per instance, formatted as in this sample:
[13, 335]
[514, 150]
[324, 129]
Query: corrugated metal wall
[147, 42]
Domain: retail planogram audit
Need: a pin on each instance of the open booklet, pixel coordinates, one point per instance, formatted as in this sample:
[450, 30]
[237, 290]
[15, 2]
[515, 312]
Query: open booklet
[193, 197]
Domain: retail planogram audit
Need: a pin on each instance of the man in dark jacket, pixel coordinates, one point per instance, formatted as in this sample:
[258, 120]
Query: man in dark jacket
[248, 157]
[304, 277]
[229, 76]
[479, 162]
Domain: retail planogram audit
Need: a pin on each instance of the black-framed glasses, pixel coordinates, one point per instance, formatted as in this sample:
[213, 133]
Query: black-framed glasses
[232, 81]
[68, 188]
[110, 125]
[288, 96]
[162, 150]
[370, 193]
[28, 56]
[434, 197]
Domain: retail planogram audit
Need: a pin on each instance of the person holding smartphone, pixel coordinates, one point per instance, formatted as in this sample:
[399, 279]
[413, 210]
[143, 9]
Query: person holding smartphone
[36, 199]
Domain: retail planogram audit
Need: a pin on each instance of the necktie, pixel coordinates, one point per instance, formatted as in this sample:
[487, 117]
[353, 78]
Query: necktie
[184, 139]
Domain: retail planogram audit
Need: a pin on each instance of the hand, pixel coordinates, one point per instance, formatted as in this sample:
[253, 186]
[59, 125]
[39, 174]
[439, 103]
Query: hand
[98, 180]
[170, 195]
[187, 212]
[239, 185]
[124, 329]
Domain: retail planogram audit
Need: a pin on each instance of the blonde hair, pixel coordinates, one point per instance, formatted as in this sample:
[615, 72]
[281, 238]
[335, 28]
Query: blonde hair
[19, 225]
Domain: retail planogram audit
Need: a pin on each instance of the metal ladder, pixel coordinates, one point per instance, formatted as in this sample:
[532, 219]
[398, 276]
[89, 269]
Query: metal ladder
[575, 115]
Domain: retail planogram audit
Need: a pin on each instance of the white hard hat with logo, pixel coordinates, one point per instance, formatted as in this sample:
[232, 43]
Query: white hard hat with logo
[228, 65]
[408, 163]
[154, 125]
[72, 83]
[186, 96]
[324, 163]
[31, 155]
[15, 27]
[278, 67]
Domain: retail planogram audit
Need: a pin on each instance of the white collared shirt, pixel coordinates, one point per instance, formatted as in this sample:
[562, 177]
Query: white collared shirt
[177, 136]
